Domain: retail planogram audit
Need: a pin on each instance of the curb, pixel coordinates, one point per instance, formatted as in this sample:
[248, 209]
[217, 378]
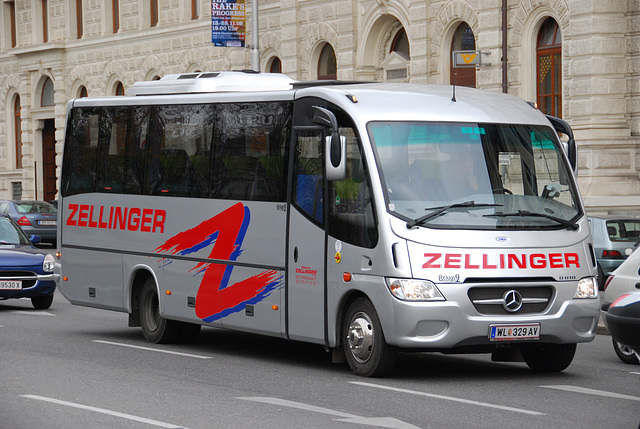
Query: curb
[602, 328]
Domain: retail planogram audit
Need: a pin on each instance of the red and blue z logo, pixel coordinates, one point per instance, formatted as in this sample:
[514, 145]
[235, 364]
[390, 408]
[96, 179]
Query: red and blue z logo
[225, 232]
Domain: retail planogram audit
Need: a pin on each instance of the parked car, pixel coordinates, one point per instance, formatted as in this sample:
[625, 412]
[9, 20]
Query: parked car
[25, 271]
[34, 217]
[614, 238]
[625, 279]
[623, 321]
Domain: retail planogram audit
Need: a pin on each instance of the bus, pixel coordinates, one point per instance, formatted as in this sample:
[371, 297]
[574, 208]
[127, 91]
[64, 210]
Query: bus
[366, 218]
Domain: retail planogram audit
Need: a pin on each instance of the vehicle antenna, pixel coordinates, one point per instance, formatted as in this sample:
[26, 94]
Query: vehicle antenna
[454, 93]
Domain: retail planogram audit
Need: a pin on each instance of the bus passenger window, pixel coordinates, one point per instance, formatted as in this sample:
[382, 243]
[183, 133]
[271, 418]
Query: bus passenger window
[81, 151]
[181, 134]
[250, 141]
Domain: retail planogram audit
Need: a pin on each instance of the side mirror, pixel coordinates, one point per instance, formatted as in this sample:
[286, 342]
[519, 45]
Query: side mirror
[336, 150]
[570, 147]
[335, 144]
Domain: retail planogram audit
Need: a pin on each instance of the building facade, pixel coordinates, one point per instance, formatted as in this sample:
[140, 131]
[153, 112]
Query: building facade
[579, 59]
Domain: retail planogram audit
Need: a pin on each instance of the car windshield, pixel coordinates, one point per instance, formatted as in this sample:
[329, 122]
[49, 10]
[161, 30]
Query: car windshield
[35, 207]
[10, 233]
[475, 176]
[624, 229]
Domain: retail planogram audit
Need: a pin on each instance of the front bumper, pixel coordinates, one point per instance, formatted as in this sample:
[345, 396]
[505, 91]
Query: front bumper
[45, 284]
[456, 323]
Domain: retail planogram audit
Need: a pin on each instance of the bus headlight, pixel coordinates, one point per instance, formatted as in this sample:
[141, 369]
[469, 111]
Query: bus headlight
[414, 290]
[49, 264]
[587, 288]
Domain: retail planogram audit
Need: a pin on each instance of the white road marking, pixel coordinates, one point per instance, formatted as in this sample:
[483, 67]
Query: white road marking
[105, 411]
[587, 391]
[449, 398]
[383, 422]
[33, 313]
[153, 350]
[635, 373]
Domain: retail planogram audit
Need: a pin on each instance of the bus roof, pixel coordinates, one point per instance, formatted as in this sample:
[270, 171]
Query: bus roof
[430, 102]
[365, 101]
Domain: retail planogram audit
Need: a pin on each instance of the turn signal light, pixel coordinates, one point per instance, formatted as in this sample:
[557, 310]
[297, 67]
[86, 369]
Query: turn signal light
[346, 277]
[274, 307]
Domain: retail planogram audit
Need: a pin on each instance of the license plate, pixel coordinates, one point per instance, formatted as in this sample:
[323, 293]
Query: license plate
[10, 284]
[514, 332]
[46, 222]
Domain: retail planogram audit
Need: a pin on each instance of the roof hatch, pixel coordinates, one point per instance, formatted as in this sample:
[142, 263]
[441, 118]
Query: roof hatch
[228, 81]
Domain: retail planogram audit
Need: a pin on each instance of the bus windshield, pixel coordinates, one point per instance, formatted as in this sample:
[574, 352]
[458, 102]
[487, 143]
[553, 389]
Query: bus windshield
[475, 175]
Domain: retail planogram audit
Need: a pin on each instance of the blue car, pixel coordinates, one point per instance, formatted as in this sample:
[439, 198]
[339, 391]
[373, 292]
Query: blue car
[25, 271]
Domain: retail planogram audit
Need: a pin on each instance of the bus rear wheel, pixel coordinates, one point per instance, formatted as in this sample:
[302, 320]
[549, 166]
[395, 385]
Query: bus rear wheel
[366, 350]
[155, 328]
[547, 357]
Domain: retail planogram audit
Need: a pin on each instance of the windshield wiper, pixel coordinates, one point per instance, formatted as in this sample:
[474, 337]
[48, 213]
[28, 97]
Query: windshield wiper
[442, 209]
[525, 213]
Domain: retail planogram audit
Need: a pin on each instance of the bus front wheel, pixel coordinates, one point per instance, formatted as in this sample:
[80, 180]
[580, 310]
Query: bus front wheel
[155, 328]
[366, 350]
[547, 357]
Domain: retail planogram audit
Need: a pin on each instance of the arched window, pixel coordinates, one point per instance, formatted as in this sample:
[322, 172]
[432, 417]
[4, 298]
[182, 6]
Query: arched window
[195, 9]
[82, 92]
[115, 11]
[327, 66]
[463, 40]
[17, 131]
[275, 66]
[400, 43]
[549, 68]
[46, 97]
[119, 88]
[153, 9]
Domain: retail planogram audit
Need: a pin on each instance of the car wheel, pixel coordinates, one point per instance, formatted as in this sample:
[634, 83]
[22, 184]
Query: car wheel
[155, 328]
[42, 302]
[546, 357]
[366, 350]
[625, 353]
[601, 279]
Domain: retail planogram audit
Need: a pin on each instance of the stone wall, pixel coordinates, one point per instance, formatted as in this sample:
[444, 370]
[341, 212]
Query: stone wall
[601, 63]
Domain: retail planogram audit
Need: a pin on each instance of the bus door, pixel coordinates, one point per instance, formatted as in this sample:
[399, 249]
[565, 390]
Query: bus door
[306, 290]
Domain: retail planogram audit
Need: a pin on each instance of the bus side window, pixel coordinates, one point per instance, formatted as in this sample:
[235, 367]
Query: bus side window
[308, 178]
[351, 215]
[249, 151]
[180, 134]
[81, 151]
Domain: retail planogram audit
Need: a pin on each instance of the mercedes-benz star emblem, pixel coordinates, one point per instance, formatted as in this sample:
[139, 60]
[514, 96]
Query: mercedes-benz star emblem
[512, 301]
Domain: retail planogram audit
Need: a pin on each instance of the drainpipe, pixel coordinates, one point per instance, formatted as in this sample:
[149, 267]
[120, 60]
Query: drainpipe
[505, 78]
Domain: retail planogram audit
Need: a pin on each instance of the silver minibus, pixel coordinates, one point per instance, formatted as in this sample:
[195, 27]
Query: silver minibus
[367, 218]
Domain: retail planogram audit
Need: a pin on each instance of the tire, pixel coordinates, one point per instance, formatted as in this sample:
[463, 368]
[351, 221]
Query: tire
[155, 328]
[42, 302]
[547, 357]
[366, 350]
[625, 353]
[601, 279]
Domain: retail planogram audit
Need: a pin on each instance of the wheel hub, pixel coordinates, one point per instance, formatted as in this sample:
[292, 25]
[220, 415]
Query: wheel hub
[360, 337]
